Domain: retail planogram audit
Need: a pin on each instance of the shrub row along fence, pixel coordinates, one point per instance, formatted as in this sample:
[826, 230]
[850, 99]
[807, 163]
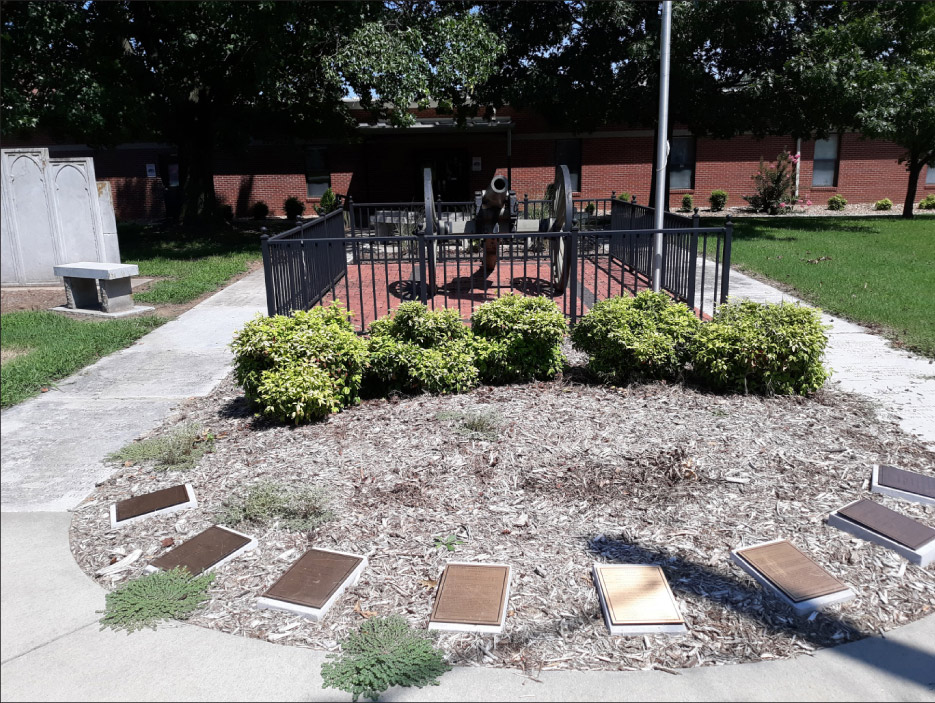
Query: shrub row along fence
[375, 256]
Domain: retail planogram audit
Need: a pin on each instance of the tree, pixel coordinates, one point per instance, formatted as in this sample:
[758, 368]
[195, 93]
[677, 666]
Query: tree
[873, 71]
[213, 75]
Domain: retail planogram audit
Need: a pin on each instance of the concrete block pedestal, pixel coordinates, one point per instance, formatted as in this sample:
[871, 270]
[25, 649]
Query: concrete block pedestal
[81, 283]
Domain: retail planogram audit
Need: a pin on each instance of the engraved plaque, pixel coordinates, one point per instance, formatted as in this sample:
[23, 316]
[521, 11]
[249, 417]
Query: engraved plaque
[907, 481]
[791, 571]
[151, 502]
[314, 578]
[899, 528]
[471, 594]
[202, 551]
[637, 595]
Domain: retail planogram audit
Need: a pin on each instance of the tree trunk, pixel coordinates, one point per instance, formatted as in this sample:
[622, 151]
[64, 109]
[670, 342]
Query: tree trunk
[196, 166]
[914, 166]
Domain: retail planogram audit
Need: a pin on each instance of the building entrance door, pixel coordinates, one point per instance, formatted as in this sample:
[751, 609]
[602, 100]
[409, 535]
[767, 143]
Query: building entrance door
[450, 174]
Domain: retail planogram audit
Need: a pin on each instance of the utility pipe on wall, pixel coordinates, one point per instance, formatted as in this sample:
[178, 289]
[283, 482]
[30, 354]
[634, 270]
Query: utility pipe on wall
[662, 144]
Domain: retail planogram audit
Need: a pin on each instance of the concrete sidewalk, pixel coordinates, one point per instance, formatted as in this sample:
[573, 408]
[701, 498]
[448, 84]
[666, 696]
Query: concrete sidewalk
[53, 445]
[52, 648]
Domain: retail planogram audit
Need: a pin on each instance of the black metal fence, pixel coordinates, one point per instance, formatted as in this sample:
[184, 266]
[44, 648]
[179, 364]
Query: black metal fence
[372, 271]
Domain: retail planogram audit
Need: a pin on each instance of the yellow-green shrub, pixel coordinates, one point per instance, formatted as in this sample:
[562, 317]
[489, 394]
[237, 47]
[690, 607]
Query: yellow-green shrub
[518, 338]
[629, 338]
[754, 348]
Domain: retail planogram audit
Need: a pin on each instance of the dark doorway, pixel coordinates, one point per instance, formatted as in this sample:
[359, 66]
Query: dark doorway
[450, 174]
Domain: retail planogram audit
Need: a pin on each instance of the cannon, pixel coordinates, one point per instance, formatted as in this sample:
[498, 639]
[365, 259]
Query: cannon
[496, 211]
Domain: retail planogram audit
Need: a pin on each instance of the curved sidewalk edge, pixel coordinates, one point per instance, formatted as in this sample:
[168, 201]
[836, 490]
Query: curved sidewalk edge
[53, 649]
[902, 383]
[53, 445]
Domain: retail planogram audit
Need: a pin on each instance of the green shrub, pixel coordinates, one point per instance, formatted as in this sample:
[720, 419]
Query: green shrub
[403, 366]
[150, 599]
[413, 322]
[836, 202]
[718, 200]
[928, 202]
[688, 202]
[774, 191]
[178, 450]
[297, 392]
[885, 204]
[645, 337]
[518, 338]
[383, 653]
[265, 341]
[329, 202]
[226, 213]
[300, 367]
[769, 349]
[259, 211]
[300, 509]
[625, 196]
[293, 208]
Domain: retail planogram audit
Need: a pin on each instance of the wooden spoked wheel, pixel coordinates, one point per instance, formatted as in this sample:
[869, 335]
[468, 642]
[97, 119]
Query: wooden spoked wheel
[559, 247]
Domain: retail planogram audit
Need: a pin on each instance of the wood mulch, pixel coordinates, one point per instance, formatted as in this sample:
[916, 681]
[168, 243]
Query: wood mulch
[574, 473]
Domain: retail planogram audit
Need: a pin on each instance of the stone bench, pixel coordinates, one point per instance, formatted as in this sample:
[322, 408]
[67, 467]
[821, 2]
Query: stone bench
[82, 280]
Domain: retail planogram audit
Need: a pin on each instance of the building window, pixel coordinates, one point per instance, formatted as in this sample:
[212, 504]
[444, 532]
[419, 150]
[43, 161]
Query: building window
[568, 153]
[682, 163]
[317, 175]
[930, 174]
[825, 167]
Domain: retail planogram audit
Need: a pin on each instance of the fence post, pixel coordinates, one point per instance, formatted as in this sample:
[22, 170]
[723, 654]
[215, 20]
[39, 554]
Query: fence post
[268, 276]
[693, 259]
[573, 239]
[725, 272]
[525, 206]
[350, 209]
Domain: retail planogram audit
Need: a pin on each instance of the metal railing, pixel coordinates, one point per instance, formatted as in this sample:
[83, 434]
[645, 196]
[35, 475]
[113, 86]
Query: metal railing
[372, 274]
[303, 264]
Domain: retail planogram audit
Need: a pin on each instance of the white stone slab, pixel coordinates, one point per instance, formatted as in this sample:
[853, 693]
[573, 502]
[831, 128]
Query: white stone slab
[192, 502]
[136, 310]
[316, 614]
[96, 269]
[922, 556]
[248, 547]
[895, 492]
[802, 607]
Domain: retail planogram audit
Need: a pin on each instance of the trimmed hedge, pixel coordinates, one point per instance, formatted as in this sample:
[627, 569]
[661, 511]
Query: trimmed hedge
[636, 338]
[303, 366]
[752, 348]
[415, 350]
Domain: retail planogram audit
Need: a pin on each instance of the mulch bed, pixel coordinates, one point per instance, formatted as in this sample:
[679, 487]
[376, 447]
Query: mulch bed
[575, 473]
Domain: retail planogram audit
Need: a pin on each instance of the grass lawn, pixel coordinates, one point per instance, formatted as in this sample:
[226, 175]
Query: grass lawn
[192, 264]
[41, 347]
[878, 271]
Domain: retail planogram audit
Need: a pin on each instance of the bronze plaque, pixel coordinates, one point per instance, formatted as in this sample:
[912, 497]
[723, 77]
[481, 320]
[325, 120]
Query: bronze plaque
[151, 502]
[637, 595]
[202, 551]
[314, 578]
[791, 571]
[907, 481]
[471, 594]
[899, 528]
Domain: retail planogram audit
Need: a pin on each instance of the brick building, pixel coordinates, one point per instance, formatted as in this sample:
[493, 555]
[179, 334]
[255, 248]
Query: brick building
[384, 164]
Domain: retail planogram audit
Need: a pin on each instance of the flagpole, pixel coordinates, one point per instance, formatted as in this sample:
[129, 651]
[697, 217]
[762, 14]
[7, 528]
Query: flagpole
[662, 143]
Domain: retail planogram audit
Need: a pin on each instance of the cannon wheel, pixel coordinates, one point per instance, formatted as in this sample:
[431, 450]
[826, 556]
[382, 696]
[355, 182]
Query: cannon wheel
[559, 247]
[431, 227]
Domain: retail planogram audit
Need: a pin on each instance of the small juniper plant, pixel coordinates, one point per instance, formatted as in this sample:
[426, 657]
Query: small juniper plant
[150, 599]
[384, 652]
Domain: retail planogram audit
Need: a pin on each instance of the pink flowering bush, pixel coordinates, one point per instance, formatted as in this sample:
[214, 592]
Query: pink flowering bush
[773, 185]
